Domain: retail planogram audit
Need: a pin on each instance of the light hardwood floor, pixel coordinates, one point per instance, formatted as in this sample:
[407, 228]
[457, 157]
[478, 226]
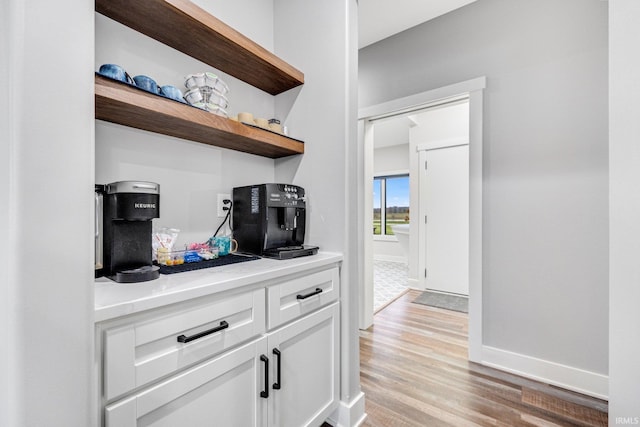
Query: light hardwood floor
[415, 372]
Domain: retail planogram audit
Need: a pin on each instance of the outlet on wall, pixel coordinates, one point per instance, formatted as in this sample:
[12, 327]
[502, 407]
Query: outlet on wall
[221, 212]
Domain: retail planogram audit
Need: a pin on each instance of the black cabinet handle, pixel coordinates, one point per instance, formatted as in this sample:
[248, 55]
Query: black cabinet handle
[276, 385]
[316, 292]
[265, 392]
[185, 339]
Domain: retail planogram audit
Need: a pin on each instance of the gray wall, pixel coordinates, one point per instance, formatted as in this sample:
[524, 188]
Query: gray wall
[545, 265]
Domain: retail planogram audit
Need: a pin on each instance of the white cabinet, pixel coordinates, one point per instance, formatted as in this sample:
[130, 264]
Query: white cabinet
[305, 369]
[213, 361]
[296, 297]
[149, 347]
[221, 392]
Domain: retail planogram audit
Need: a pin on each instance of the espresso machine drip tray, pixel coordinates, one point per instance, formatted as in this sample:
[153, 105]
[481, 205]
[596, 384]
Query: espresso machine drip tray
[288, 252]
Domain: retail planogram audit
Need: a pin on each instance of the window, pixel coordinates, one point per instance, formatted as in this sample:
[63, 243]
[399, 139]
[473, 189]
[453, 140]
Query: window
[390, 203]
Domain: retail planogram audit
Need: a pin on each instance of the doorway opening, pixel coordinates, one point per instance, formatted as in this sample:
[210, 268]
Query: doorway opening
[467, 97]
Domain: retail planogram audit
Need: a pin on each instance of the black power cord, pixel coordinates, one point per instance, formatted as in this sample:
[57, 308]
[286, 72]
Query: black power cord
[227, 217]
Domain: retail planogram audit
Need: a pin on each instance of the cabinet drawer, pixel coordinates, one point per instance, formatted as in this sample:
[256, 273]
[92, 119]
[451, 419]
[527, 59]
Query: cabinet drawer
[294, 298]
[157, 345]
[222, 391]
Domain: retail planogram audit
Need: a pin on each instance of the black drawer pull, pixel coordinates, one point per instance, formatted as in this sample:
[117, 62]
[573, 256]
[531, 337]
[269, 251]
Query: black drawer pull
[185, 339]
[265, 392]
[277, 384]
[316, 292]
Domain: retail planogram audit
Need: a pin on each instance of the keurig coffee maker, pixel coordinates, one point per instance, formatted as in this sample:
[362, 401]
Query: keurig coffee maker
[270, 219]
[128, 208]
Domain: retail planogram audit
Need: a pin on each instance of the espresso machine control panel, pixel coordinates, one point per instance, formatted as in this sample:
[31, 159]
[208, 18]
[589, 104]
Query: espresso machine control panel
[287, 196]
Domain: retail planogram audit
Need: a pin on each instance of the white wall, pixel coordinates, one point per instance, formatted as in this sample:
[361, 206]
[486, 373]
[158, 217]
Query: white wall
[314, 38]
[318, 38]
[545, 266]
[624, 158]
[391, 159]
[7, 327]
[251, 18]
[441, 126]
[47, 169]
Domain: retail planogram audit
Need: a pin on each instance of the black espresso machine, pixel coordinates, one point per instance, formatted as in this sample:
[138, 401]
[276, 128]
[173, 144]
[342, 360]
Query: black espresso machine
[270, 220]
[128, 208]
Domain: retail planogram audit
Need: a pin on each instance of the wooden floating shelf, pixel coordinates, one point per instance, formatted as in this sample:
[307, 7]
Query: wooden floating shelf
[193, 31]
[121, 103]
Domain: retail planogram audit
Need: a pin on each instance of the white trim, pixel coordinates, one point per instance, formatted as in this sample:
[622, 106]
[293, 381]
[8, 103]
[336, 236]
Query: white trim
[414, 284]
[349, 414]
[391, 258]
[391, 173]
[567, 377]
[423, 99]
[473, 90]
[365, 139]
[384, 238]
[475, 223]
[443, 143]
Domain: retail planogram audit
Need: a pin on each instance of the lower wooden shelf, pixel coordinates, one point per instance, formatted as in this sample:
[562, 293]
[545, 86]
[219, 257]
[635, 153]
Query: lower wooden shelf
[123, 104]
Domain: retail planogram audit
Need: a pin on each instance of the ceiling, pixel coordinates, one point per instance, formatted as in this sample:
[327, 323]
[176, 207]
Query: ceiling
[374, 23]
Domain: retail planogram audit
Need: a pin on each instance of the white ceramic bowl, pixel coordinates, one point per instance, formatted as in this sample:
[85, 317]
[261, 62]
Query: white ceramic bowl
[206, 80]
[207, 96]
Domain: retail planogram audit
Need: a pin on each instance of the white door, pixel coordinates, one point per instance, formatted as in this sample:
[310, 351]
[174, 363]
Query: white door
[446, 201]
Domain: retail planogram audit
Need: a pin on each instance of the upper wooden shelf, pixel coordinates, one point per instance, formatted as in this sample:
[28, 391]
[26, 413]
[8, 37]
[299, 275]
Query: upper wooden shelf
[193, 31]
[127, 105]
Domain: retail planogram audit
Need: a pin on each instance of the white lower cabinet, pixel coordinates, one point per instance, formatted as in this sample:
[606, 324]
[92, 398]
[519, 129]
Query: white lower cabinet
[219, 392]
[247, 376]
[305, 370]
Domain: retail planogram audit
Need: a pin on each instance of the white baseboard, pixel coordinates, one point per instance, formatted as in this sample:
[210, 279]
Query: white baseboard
[349, 414]
[567, 377]
[414, 284]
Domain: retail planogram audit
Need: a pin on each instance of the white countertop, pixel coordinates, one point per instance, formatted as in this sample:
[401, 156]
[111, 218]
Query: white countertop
[114, 300]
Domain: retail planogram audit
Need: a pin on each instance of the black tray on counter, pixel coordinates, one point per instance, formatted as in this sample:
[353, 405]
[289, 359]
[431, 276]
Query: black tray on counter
[216, 262]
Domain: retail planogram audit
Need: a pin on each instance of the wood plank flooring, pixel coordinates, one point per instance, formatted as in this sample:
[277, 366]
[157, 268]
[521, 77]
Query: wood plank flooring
[415, 373]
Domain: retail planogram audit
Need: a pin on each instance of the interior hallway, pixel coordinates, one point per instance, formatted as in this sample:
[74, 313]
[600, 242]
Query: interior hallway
[415, 372]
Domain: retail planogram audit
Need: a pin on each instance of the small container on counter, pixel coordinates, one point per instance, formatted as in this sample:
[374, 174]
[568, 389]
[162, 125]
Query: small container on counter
[179, 257]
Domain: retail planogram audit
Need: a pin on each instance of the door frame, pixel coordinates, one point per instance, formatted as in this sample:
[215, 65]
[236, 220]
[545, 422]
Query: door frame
[473, 89]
